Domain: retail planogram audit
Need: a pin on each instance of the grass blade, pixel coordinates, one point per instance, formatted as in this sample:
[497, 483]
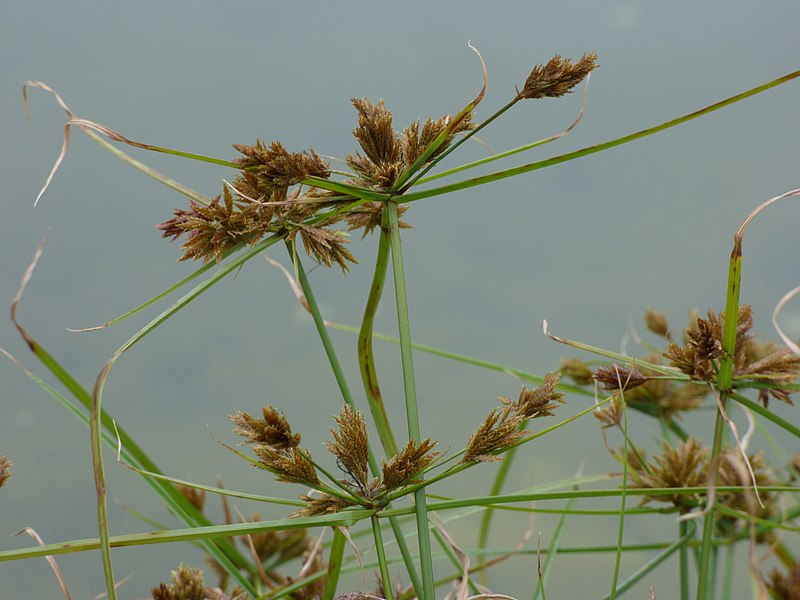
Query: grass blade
[409, 385]
[512, 172]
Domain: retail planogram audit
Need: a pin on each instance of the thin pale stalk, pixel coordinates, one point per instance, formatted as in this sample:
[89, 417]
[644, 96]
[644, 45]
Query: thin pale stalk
[409, 385]
[192, 156]
[149, 171]
[386, 579]
[366, 359]
[468, 183]
[334, 564]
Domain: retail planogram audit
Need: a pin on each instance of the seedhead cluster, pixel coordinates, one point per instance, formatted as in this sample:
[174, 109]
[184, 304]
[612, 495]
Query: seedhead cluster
[684, 462]
[5, 469]
[284, 193]
[277, 450]
[278, 195]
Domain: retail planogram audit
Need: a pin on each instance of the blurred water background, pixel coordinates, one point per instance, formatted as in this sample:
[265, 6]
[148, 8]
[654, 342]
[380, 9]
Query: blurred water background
[587, 245]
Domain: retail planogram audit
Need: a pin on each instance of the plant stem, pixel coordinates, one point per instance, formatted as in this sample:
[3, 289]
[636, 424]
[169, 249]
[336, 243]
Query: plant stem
[623, 498]
[313, 307]
[330, 351]
[412, 415]
[95, 428]
[384, 567]
[683, 558]
[486, 519]
[334, 564]
[724, 380]
[366, 360]
[460, 141]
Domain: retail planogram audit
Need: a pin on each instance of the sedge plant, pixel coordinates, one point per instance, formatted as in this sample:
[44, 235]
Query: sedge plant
[719, 497]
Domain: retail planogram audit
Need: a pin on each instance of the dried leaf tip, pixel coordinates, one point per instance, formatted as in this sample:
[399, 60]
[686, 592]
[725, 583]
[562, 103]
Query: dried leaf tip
[557, 77]
[350, 445]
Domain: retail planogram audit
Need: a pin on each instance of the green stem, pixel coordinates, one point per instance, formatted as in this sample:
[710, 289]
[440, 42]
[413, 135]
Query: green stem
[766, 413]
[552, 551]
[623, 499]
[384, 567]
[322, 330]
[95, 428]
[456, 144]
[330, 351]
[724, 380]
[366, 359]
[486, 519]
[655, 561]
[334, 564]
[420, 501]
[683, 559]
[728, 576]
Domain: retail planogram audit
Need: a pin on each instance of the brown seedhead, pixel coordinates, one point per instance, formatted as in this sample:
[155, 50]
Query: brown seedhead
[557, 77]
[350, 445]
[577, 370]
[499, 432]
[405, 467]
[291, 466]
[187, 584]
[676, 467]
[538, 402]
[5, 469]
[616, 378]
[323, 504]
[656, 322]
[271, 430]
